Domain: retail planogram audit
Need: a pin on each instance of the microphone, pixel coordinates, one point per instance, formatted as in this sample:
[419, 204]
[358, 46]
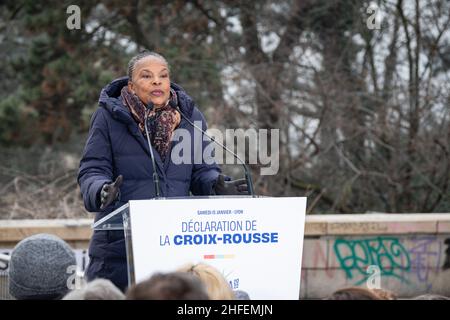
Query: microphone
[248, 176]
[152, 156]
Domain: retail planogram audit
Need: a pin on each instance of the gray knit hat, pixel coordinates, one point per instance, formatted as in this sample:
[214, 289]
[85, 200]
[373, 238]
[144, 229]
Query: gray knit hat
[38, 268]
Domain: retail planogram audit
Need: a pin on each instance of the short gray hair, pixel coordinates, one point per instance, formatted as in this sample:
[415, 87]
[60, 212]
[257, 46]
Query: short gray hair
[141, 55]
[99, 289]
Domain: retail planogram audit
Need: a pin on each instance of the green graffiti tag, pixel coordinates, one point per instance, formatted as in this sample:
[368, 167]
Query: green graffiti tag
[387, 253]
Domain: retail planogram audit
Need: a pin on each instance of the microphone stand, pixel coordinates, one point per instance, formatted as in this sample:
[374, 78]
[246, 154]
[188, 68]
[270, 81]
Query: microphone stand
[152, 156]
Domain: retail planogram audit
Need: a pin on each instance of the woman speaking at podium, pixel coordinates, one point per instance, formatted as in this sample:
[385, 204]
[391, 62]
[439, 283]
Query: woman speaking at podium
[130, 136]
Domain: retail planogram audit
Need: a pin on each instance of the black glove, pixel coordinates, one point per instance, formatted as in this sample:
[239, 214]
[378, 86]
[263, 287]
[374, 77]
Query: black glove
[109, 192]
[233, 187]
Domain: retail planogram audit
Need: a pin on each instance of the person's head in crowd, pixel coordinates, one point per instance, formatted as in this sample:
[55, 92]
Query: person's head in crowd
[430, 296]
[385, 294]
[39, 268]
[98, 289]
[168, 286]
[216, 284]
[354, 293]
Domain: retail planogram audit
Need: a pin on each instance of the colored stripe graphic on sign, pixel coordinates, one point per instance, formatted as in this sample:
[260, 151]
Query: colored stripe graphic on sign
[218, 256]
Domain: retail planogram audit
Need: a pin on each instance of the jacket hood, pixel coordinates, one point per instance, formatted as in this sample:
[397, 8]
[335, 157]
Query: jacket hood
[110, 100]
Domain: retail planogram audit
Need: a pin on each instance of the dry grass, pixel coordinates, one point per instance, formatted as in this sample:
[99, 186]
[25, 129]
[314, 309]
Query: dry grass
[40, 183]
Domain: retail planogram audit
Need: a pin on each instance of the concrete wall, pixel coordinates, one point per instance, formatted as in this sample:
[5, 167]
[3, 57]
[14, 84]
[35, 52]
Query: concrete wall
[411, 251]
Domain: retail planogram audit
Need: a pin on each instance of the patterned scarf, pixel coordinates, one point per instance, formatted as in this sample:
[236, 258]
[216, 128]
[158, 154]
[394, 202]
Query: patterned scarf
[161, 121]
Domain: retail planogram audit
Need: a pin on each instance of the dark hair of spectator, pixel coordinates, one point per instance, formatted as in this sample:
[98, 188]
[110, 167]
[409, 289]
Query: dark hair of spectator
[354, 293]
[430, 296]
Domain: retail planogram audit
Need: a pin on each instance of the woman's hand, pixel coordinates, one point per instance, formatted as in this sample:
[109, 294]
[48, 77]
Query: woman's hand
[233, 187]
[109, 192]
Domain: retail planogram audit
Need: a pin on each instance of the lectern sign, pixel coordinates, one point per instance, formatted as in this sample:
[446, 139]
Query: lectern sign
[255, 242]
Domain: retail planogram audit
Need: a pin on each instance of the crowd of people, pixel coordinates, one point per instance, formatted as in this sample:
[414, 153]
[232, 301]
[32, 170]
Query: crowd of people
[42, 268]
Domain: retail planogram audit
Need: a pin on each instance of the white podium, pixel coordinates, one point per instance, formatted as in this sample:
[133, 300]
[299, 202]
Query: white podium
[256, 242]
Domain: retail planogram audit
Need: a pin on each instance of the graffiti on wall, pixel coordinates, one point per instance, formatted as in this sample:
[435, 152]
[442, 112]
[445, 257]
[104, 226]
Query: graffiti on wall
[409, 259]
[447, 255]
[388, 253]
[426, 256]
